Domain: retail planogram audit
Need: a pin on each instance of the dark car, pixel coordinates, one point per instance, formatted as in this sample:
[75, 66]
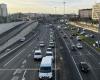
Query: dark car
[92, 36]
[71, 37]
[73, 47]
[84, 67]
[64, 36]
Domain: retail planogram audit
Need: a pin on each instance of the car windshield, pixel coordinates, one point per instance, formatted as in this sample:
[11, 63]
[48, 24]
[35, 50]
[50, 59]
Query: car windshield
[45, 69]
[37, 53]
[85, 65]
[49, 54]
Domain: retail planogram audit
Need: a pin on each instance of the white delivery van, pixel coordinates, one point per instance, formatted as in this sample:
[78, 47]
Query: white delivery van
[46, 68]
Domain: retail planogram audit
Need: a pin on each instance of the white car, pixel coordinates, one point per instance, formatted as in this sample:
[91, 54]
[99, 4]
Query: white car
[51, 44]
[37, 54]
[50, 54]
[83, 32]
[49, 49]
[42, 44]
[78, 38]
[79, 46]
[87, 35]
[22, 39]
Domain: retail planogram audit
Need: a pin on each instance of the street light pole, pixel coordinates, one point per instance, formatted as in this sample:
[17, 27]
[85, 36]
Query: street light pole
[98, 15]
[64, 10]
[99, 33]
[55, 10]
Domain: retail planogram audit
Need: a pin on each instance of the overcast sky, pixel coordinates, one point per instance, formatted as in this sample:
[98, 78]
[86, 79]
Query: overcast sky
[47, 6]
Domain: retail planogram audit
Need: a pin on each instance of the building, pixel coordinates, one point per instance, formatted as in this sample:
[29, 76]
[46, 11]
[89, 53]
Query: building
[96, 11]
[85, 13]
[3, 10]
[72, 16]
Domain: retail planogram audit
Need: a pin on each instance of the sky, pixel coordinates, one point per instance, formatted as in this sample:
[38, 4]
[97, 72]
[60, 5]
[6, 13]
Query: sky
[47, 6]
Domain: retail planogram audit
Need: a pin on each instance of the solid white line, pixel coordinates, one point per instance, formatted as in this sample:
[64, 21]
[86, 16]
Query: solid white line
[77, 68]
[73, 43]
[16, 47]
[66, 46]
[55, 62]
[92, 48]
[66, 43]
[13, 58]
[28, 69]
[73, 58]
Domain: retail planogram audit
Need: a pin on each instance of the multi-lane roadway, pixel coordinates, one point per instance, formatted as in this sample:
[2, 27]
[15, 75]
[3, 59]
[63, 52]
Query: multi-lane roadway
[19, 64]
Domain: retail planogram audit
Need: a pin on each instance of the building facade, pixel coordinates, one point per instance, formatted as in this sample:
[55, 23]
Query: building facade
[3, 10]
[96, 11]
[85, 13]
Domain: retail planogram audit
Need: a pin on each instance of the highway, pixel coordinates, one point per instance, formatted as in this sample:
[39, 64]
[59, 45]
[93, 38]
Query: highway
[12, 32]
[19, 64]
[86, 54]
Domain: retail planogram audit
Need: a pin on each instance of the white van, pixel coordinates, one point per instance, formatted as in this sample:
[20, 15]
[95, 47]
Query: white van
[46, 68]
[37, 54]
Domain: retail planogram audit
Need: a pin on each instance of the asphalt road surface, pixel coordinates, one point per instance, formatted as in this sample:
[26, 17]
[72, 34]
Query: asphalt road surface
[20, 65]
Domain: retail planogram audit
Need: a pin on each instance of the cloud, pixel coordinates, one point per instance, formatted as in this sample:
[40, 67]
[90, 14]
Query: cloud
[47, 6]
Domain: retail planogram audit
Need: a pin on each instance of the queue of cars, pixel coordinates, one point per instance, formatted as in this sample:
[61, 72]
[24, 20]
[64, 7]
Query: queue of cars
[46, 62]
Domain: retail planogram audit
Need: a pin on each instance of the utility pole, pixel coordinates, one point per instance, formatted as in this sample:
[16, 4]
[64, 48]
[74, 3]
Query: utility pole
[64, 3]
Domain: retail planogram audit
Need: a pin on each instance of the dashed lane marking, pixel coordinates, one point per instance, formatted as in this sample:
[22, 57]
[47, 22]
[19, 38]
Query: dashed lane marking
[15, 78]
[29, 55]
[17, 71]
[23, 78]
[61, 58]
[13, 58]
[24, 61]
[22, 66]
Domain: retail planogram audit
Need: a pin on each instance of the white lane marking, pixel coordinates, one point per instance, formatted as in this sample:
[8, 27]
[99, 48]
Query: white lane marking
[29, 55]
[24, 61]
[15, 78]
[67, 46]
[73, 58]
[65, 42]
[33, 50]
[28, 69]
[13, 58]
[22, 66]
[77, 68]
[55, 63]
[61, 58]
[16, 47]
[92, 48]
[23, 78]
[17, 71]
[73, 43]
